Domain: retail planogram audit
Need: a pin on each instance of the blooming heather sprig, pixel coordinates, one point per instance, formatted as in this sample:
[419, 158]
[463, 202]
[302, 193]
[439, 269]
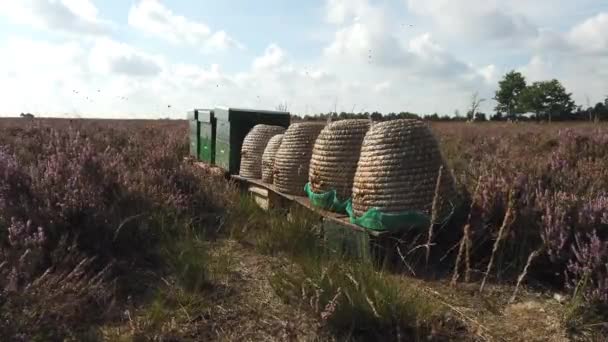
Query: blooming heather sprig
[23, 255]
[589, 266]
[15, 191]
[556, 217]
[24, 235]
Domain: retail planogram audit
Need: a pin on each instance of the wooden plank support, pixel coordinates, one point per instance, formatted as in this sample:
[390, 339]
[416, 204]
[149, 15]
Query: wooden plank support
[260, 196]
[340, 235]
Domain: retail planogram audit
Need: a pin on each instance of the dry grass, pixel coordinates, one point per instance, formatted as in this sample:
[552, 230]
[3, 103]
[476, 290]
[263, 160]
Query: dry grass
[240, 306]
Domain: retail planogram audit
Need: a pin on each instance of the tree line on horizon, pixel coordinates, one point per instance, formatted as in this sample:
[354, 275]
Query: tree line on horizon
[516, 100]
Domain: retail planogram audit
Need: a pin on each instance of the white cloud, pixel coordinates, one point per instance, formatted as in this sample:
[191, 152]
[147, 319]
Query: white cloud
[273, 57]
[83, 8]
[71, 16]
[433, 60]
[591, 35]
[221, 41]
[577, 57]
[537, 69]
[489, 20]
[109, 56]
[30, 83]
[342, 11]
[373, 45]
[153, 18]
[382, 86]
[489, 73]
[378, 65]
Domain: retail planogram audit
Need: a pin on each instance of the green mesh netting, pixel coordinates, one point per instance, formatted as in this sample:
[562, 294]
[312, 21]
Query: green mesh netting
[326, 200]
[374, 219]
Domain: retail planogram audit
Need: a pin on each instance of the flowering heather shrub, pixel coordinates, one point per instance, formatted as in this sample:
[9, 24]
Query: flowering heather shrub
[108, 188]
[102, 184]
[557, 211]
[23, 254]
[15, 188]
[588, 268]
[64, 302]
[556, 178]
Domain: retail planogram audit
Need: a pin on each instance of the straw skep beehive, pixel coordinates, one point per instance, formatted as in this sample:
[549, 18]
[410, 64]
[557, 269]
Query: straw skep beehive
[253, 149]
[268, 157]
[292, 160]
[335, 156]
[398, 170]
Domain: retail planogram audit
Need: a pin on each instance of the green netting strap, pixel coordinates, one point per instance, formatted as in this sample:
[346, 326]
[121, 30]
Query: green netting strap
[374, 219]
[326, 200]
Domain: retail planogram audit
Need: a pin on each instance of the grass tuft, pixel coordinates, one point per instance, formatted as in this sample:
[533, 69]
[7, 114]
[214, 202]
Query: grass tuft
[353, 298]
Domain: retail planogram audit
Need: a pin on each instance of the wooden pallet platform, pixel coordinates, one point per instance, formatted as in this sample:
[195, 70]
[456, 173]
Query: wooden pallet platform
[339, 234]
[267, 196]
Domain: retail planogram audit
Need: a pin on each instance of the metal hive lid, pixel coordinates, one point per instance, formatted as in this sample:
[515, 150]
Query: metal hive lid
[252, 110]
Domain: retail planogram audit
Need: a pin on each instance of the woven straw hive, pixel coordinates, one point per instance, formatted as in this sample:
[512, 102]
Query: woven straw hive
[268, 157]
[398, 170]
[292, 160]
[335, 156]
[253, 148]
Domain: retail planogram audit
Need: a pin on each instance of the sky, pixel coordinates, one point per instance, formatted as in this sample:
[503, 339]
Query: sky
[160, 58]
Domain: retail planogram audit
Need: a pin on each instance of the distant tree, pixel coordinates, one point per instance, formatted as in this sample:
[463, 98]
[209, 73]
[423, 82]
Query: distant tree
[600, 111]
[532, 99]
[474, 105]
[391, 116]
[547, 99]
[376, 116]
[497, 117]
[432, 117]
[27, 115]
[507, 95]
[282, 107]
[408, 115]
[479, 116]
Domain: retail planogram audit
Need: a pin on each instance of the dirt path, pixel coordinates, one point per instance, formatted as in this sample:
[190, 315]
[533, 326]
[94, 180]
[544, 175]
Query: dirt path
[531, 318]
[252, 311]
[242, 306]
[255, 313]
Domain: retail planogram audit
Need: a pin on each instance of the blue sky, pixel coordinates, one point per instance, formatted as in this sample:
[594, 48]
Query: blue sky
[159, 58]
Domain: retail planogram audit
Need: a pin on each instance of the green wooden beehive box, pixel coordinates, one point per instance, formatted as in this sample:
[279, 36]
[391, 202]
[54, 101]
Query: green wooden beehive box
[202, 134]
[207, 131]
[194, 138]
[233, 124]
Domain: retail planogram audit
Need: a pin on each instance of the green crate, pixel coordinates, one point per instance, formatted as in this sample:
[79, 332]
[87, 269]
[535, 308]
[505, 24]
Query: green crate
[194, 138]
[207, 142]
[233, 124]
[222, 144]
[202, 134]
